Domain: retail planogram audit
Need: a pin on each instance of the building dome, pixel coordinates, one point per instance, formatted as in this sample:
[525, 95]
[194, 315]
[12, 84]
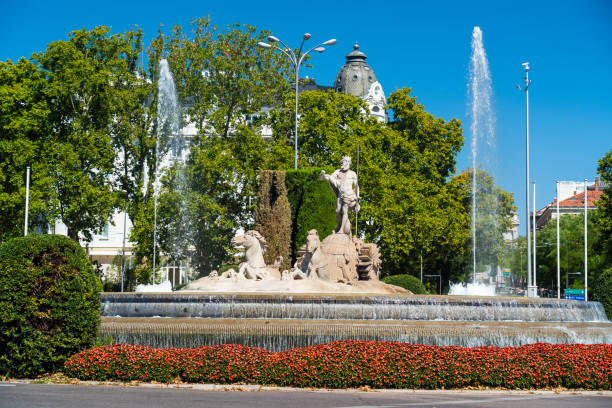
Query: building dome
[357, 78]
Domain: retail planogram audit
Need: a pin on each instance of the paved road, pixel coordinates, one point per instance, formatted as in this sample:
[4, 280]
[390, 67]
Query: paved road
[94, 396]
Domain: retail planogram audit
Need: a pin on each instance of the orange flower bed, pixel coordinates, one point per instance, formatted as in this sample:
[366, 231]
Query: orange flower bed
[350, 364]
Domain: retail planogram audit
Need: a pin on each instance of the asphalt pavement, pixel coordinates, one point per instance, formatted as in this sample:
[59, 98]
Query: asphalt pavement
[26, 395]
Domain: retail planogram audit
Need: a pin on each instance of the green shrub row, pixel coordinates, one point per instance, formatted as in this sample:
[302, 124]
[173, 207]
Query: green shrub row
[406, 281]
[313, 206]
[602, 290]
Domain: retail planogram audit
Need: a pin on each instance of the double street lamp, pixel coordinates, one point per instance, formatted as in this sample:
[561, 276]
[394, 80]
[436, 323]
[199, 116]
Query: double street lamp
[296, 59]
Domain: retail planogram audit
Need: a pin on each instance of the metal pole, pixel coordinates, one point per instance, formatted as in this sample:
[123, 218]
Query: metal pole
[558, 249]
[535, 281]
[357, 212]
[421, 266]
[586, 277]
[566, 265]
[297, 61]
[521, 254]
[529, 283]
[295, 140]
[27, 203]
[123, 249]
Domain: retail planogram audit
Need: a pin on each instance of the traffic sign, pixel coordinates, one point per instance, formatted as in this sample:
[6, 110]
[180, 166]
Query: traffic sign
[573, 297]
[573, 291]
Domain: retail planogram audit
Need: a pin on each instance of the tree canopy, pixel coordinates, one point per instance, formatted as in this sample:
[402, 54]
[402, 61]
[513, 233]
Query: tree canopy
[24, 130]
[571, 234]
[84, 113]
[605, 204]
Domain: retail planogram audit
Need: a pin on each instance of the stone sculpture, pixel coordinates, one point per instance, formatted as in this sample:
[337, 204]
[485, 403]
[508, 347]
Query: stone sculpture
[253, 265]
[340, 262]
[344, 184]
[339, 257]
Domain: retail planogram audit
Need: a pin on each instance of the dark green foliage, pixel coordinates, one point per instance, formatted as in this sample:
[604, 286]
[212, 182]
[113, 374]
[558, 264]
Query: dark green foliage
[49, 304]
[605, 205]
[273, 216]
[407, 282]
[571, 234]
[24, 130]
[313, 206]
[602, 290]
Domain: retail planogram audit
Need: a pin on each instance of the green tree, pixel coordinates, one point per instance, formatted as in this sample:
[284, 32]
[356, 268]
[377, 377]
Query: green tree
[222, 191]
[407, 203]
[80, 75]
[223, 75]
[605, 204]
[494, 211]
[514, 257]
[571, 234]
[24, 127]
[135, 134]
[422, 210]
[222, 78]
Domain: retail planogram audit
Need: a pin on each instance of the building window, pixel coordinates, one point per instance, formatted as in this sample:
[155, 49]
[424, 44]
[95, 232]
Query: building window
[104, 232]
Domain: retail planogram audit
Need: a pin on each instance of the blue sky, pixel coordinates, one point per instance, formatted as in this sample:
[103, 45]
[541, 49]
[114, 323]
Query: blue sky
[424, 45]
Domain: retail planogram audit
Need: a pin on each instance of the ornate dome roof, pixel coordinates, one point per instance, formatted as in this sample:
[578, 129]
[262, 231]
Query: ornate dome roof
[355, 77]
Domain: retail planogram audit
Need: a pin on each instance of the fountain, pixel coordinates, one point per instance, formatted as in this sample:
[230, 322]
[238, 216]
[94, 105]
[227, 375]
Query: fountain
[484, 157]
[471, 289]
[333, 293]
[169, 146]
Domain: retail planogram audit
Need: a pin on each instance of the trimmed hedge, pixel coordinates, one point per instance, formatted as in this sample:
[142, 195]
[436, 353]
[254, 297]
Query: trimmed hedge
[406, 281]
[602, 290]
[273, 216]
[313, 206]
[352, 364]
[49, 304]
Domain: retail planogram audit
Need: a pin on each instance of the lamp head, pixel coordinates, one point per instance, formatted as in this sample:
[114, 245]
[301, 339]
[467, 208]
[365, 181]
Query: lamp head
[307, 36]
[330, 42]
[263, 45]
[272, 39]
[319, 49]
[526, 65]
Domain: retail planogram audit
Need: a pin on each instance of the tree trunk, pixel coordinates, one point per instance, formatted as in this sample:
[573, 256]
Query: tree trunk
[73, 234]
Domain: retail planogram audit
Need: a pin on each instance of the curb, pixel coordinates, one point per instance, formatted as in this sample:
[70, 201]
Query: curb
[267, 388]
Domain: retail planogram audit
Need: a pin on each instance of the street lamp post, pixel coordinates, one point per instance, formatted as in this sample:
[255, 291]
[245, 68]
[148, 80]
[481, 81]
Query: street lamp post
[586, 276]
[530, 286]
[535, 269]
[296, 60]
[558, 248]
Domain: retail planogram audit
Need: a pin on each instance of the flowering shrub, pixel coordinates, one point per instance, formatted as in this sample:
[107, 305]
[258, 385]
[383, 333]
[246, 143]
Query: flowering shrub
[348, 364]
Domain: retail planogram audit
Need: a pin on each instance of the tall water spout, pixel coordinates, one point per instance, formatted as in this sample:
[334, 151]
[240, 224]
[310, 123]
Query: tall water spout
[168, 136]
[483, 144]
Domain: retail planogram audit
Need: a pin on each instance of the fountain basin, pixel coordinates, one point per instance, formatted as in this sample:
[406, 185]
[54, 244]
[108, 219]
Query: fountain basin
[349, 307]
[278, 335]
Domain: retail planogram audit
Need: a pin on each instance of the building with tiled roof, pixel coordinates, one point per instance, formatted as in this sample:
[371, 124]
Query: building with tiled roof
[571, 204]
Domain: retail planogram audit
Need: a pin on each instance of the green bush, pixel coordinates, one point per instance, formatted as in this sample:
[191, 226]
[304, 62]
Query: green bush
[49, 304]
[602, 290]
[407, 282]
[313, 206]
